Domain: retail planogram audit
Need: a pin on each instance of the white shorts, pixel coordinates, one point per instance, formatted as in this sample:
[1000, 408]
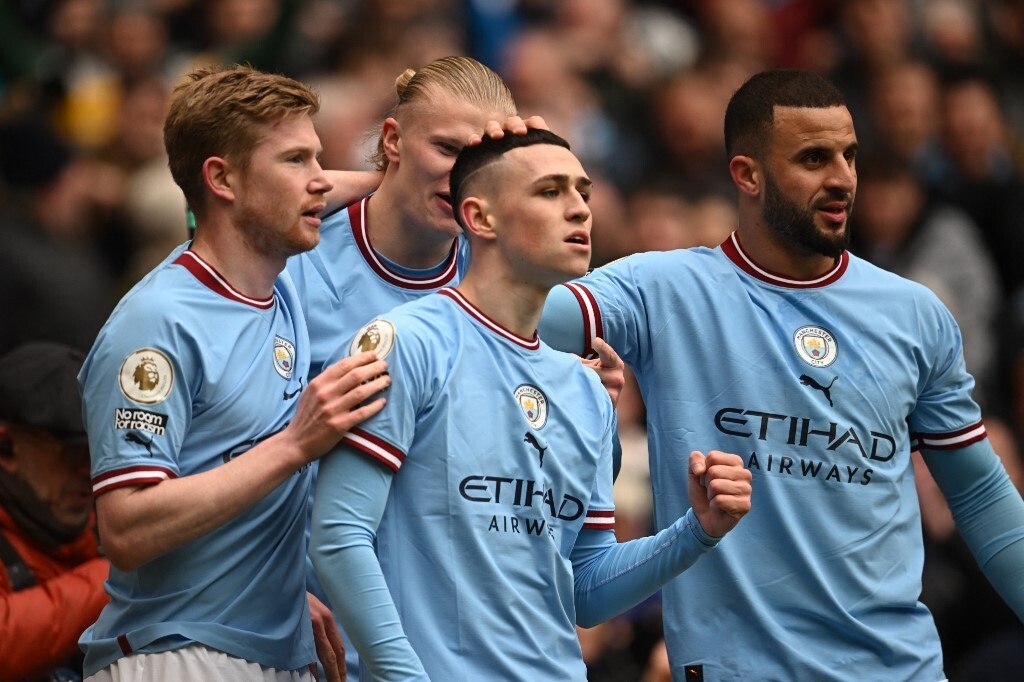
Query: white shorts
[194, 662]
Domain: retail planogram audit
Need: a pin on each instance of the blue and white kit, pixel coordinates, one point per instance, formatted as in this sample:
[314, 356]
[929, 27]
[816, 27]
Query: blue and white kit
[497, 452]
[344, 283]
[186, 374]
[820, 386]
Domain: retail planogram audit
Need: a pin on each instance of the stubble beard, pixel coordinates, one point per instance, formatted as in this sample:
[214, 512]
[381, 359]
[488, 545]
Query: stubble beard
[795, 226]
[268, 238]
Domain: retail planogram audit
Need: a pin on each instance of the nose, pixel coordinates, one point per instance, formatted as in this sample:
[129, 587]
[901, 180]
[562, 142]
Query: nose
[578, 210]
[320, 184]
[843, 176]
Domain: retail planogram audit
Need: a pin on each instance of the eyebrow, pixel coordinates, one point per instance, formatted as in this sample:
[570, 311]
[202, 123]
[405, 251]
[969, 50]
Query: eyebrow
[564, 179]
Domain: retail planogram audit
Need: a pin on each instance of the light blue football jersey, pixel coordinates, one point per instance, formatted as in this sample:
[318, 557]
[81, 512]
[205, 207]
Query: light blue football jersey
[819, 386]
[501, 449]
[344, 283]
[186, 374]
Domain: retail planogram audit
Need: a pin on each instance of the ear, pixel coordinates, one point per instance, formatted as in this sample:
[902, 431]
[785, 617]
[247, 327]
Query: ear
[219, 176]
[746, 175]
[391, 137]
[8, 462]
[477, 217]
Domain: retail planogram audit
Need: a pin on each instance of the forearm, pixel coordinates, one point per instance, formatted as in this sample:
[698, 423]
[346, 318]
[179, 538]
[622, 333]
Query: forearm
[40, 626]
[352, 492]
[612, 577]
[138, 524]
[350, 185]
[989, 514]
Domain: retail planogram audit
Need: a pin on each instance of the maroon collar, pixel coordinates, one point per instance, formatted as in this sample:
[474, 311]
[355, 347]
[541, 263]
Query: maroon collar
[734, 250]
[482, 318]
[357, 216]
[206, 274]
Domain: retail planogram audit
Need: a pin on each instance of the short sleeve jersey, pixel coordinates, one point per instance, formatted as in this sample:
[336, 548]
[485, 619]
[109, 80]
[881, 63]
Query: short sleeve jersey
[501, 449]
[187, 374]
[344, 282]
[820, 386]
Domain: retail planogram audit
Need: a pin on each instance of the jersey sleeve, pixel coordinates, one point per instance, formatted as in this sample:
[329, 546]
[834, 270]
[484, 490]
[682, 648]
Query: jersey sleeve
[601, 509]
[388, 435]
[945, 416]
[137, 400]
[612, 307]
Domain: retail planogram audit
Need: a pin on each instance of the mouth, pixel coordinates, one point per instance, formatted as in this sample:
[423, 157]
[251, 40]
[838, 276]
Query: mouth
[579, 237]
[835, 211]
[312, 215]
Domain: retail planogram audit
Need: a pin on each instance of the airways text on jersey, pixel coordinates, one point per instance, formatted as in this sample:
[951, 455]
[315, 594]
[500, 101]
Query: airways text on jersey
[794, 439]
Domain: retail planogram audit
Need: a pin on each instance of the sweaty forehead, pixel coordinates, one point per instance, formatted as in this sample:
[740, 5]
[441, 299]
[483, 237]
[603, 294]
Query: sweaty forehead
[795, 127]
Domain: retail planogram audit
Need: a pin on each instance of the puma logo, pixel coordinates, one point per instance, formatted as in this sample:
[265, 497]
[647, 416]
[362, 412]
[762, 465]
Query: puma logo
[532, 440]
[139, 440]
[808, 381]
[289, 396]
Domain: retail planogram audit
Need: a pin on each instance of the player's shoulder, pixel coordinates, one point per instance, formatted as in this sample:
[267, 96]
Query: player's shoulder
[655, 264]
[160, 294]
[876, 282]
[420, 326]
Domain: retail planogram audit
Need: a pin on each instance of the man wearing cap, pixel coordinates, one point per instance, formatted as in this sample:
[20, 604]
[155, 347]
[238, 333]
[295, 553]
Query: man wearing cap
[51, 574]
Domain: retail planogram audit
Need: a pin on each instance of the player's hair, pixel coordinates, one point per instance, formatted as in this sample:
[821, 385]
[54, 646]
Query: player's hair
[465, 78]
[751, 111]
[218, 111]
[473, 158]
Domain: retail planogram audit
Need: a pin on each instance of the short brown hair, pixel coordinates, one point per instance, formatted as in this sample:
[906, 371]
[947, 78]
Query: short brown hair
[463, 77]
[751, 111]
[220, 111]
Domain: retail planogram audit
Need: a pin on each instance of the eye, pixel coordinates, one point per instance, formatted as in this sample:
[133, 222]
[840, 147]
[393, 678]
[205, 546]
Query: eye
[448, 149]
[814, 158]
[549, 192]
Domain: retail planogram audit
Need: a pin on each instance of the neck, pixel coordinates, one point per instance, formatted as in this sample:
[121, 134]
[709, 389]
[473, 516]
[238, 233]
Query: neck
[769, 252]
[396, 232]
[222, 245]
[512, 303]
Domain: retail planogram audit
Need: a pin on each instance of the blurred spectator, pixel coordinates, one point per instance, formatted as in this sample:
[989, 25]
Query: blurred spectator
[51, 574]
[689, 111]
[906, 116]
[985, 176]
[897, 228]
[876, 35]
[54, 284]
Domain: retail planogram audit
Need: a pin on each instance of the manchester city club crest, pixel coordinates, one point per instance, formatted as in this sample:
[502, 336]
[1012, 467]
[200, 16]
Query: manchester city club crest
[284, 357]
[816, 346]
[534, 405]
[146, 376]
[378, 336]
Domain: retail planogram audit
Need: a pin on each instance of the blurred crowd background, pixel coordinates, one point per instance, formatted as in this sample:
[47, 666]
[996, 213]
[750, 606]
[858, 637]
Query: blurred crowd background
[639, 87]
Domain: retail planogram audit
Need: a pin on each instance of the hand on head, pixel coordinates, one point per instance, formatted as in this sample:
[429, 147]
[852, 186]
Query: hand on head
[513, 124]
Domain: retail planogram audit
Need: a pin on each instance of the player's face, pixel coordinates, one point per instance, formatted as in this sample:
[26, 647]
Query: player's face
[542, 216]
[430, 135]
[58, 474]
[281, 194]
[811, 179]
